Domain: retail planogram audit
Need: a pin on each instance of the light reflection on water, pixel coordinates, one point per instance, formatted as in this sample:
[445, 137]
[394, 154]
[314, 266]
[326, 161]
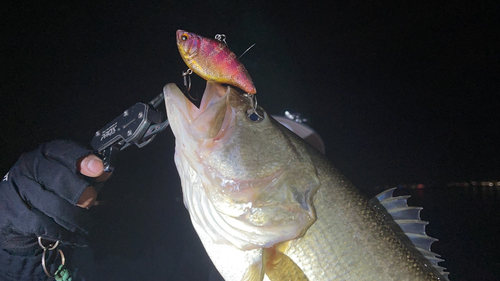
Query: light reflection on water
[487, 195]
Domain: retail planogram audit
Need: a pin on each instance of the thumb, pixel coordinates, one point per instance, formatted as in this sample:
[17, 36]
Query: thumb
[91, 166]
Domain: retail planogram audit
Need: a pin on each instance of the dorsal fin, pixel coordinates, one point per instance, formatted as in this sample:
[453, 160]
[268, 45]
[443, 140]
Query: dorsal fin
[406, 223]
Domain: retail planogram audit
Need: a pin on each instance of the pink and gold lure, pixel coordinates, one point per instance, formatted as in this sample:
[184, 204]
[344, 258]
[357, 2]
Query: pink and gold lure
[213, 61]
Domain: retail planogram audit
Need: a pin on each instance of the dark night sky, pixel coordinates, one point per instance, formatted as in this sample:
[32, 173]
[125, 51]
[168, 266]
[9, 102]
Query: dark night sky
[399, 92]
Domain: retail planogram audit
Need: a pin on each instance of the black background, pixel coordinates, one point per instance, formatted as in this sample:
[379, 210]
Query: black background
[401, 92]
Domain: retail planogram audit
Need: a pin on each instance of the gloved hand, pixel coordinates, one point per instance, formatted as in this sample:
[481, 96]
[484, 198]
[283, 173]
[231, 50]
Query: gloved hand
[46, 194]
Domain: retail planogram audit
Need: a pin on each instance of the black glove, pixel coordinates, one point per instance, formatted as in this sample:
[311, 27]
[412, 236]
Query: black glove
[38, 198]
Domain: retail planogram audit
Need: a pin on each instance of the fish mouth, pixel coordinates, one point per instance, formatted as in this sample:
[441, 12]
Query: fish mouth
[208, 121]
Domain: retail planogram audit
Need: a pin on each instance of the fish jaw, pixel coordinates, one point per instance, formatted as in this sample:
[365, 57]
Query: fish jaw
[246, 194]
[213, 61]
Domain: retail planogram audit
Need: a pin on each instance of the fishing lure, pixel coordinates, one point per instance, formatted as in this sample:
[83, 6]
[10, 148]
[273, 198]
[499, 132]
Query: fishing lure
[213, 61]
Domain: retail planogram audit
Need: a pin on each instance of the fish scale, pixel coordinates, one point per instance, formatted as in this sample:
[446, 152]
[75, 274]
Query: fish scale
[350, 260]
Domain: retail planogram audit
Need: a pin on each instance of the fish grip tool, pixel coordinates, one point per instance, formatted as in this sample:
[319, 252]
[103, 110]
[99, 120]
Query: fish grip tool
[137, 125]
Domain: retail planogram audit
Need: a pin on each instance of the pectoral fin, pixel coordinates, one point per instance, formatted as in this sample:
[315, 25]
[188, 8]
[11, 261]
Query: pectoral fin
[279, 266]
[276, 265]
[255, 272]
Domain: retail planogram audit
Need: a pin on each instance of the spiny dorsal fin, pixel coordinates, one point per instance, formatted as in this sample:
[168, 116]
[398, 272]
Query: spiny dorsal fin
[406, 223]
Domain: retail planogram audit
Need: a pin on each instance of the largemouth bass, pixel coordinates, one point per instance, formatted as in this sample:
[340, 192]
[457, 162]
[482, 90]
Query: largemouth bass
[213, 61]
[267, 205]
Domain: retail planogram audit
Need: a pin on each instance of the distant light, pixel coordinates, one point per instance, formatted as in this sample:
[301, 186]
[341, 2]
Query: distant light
[495, 183]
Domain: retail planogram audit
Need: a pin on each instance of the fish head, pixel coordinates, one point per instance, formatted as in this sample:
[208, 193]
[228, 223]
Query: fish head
[247, 183]
[188, 44]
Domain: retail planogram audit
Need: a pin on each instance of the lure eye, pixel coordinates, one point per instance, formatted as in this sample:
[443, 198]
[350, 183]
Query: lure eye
[184, 37]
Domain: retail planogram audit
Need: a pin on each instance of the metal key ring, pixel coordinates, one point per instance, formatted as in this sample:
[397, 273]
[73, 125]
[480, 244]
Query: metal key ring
[50, 247]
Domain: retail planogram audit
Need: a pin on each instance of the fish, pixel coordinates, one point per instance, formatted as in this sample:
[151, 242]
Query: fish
[266, 205]
[213, 61]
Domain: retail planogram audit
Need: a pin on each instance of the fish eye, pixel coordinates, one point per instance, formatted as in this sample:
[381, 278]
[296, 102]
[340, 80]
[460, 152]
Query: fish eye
[255, 115]
[184, 37]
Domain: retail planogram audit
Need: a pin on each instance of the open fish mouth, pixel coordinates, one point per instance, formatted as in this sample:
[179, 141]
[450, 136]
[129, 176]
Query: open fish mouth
[202, 121]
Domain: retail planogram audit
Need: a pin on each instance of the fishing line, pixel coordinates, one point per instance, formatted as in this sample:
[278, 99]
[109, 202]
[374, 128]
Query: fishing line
[222, 38]
[247, 50]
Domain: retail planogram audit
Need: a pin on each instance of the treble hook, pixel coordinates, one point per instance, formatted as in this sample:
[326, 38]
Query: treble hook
[187, 81]
[253, 113]
[221, 38]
